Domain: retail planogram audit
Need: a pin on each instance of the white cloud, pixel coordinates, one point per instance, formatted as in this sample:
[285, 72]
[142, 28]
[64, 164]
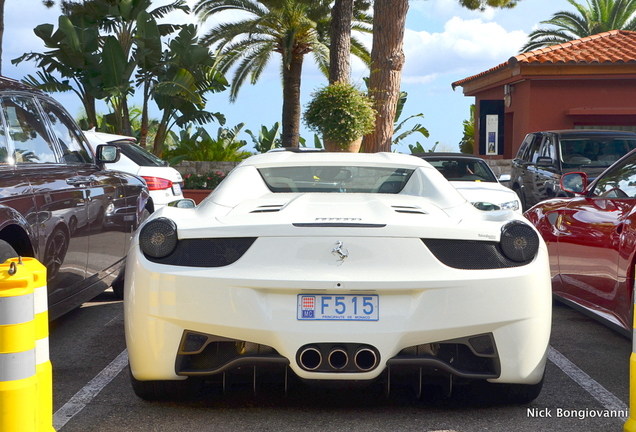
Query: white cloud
[463, 46]
[444, 9]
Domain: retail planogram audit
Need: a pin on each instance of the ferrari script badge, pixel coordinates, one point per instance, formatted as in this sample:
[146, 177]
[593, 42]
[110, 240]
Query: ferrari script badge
[340, 251]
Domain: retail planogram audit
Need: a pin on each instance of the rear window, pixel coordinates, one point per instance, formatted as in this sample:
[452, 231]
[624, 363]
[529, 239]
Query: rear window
[339, 179]
[594, 152]
[140, 156]
[463, 170]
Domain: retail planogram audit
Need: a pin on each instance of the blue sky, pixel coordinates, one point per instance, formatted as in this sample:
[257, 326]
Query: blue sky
[443, 43]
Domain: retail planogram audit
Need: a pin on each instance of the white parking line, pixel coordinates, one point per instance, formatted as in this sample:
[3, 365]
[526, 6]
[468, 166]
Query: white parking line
[598, 392]
[101, 380]
[90, 390]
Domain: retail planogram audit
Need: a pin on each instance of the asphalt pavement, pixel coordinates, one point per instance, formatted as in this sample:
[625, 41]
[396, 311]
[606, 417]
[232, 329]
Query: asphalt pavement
[586, 389]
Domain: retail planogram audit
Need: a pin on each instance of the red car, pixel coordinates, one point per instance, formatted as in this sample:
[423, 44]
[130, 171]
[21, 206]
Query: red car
[591, 241]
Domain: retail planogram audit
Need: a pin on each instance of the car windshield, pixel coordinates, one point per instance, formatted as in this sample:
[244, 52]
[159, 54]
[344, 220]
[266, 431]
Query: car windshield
[594, 151]
[341, 179]
[139, 155]
[463, 170]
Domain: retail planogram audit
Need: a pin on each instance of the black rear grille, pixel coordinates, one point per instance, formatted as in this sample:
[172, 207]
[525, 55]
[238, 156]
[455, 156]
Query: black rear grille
[470, 254]
[203, 354]
[473, 357]
[212, 252]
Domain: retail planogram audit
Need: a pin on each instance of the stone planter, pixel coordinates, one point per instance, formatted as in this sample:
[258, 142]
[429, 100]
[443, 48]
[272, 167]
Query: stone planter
[196, 194]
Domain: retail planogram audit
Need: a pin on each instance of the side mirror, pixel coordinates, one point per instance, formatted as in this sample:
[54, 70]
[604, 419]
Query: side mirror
[107, 153]
[505, 178]
[183, 203]
[574, 182]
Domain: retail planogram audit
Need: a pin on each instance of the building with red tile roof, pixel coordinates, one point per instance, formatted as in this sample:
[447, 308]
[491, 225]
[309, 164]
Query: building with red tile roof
[588, 83]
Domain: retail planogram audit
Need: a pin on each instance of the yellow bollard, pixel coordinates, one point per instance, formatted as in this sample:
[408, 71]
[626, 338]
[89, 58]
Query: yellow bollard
[630, 424]
[26, 388]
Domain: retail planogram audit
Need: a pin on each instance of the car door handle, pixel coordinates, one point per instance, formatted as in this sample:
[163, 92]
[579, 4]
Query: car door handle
[81, 180]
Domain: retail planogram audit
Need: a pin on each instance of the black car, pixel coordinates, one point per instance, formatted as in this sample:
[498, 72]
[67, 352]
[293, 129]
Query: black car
[544, 156]
[57, 203]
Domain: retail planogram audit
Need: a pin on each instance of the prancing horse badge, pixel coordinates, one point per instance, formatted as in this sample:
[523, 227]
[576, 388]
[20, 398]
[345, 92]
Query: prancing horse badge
[340, 251]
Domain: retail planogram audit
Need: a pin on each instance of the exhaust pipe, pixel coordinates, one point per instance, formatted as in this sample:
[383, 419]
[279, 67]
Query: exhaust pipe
[310, 358]
[338, 358]
[365, 359]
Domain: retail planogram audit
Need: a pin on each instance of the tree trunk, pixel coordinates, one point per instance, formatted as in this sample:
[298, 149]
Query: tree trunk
[89, 106]
[127, 127]
[162, 133]
[340, 49]
[387, 61]
[291, 101]
[144, 116]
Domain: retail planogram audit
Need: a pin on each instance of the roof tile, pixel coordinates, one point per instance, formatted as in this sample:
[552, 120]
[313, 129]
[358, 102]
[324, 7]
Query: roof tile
[612, 47]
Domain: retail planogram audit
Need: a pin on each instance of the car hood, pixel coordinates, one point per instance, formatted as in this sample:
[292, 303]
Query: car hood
[314, 214]
[494, 193]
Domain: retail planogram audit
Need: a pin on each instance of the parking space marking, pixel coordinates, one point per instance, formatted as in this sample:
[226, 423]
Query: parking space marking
[89, 391]
[83, 397]
[597, 391]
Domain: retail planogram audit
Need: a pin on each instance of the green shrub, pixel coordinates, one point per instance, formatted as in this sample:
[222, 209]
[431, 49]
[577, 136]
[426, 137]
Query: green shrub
[341, 113]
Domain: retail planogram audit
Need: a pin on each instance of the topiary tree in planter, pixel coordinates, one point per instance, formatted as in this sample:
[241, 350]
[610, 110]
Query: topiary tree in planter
[342, 114]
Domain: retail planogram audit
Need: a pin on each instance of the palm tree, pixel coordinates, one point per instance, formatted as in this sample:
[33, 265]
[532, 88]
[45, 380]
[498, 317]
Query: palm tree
[73, 54]
[95, 66]
[389, 16]
[599, 16]
[291, 28]
[134, 37]
[180, 91]
[201, 146]
[389, 20]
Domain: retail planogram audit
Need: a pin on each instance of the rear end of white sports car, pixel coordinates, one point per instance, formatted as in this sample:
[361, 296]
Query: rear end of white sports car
[337, 268]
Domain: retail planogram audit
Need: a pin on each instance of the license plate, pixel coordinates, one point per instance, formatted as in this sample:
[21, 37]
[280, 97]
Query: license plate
[344, 307]
[176, 188]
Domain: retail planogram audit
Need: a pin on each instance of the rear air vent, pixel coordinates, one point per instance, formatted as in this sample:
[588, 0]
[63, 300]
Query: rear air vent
[207, 252]
[408, 209]
[268, 208]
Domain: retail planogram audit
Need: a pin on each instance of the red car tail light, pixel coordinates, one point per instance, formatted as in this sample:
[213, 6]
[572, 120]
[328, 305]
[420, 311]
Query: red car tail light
[157, 183]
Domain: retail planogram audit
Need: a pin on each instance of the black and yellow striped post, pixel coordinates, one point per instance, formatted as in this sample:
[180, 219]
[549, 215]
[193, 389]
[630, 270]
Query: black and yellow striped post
[26, 396]
[630, 424]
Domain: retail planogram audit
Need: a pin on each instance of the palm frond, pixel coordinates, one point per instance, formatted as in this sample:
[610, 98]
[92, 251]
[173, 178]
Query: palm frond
[48, 83]
[594, 17]
[206, 8]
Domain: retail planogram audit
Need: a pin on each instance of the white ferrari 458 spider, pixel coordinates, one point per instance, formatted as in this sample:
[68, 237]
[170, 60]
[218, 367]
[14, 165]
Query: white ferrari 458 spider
[337, 267]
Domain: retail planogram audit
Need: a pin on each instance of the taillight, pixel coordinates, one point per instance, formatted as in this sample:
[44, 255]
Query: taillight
[157, 183]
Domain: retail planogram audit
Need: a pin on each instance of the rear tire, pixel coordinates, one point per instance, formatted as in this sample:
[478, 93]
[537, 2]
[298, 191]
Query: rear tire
[522, 198]
[118, 285]
[6, 251]
[166, 390]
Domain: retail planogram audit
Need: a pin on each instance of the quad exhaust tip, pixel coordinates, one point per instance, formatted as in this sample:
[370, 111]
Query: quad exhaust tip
[329, 357]
[338, 358]
[365, 359]
[310, 358]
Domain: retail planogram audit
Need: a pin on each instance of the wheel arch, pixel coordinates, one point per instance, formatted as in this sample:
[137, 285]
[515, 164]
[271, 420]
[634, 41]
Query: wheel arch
[15, 230]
